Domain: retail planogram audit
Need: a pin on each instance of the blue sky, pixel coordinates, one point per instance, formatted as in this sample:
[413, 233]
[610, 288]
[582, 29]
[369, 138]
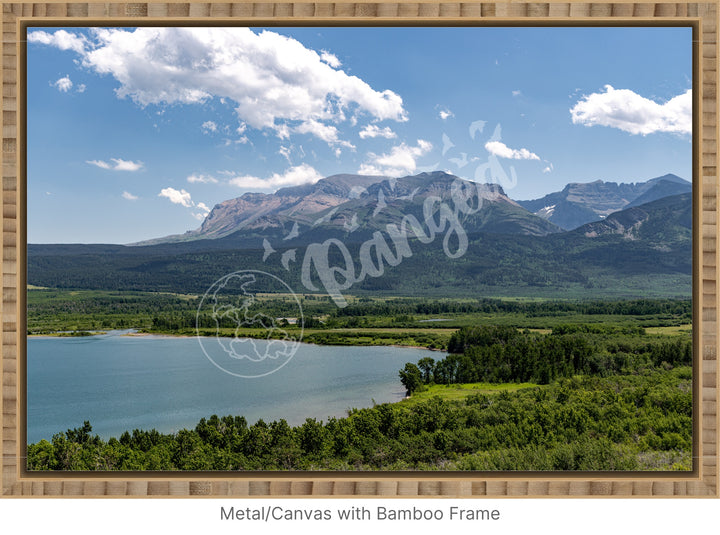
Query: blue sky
[138, 133]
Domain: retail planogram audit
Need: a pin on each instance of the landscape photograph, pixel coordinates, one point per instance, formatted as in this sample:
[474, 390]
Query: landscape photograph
[359, 249]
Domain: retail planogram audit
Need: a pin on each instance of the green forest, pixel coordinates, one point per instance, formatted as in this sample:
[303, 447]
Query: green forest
[620, 422]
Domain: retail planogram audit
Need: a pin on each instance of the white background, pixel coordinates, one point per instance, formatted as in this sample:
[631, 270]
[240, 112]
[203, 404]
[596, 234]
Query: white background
[585, 516]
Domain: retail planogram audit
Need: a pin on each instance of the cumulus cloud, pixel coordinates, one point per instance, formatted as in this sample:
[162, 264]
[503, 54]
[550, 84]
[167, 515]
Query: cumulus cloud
[548, 169]
[499, 149]
[272, 79]
[199, 210]
[117, 164]
[239, 141]
[632, 113]
[445, 114]
[209, 126]
[330, 59]
[125, 165]
[295, 176]
[129, 196]
[372, 130]
[401, 160]
[203, 213]
[327, 133]
[60, 39]
[202, 179]
[181, 197]
[64, 84]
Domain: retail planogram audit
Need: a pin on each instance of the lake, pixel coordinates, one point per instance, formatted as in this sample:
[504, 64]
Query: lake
[120, 383]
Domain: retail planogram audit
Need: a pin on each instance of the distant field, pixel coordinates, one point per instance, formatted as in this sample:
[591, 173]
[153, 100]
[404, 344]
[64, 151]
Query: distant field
[673, 329]
[454, 392]
[366, 321]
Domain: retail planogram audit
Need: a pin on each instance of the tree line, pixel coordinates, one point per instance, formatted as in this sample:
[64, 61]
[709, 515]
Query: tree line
[620, 422]
[503, 354]
[624, 307]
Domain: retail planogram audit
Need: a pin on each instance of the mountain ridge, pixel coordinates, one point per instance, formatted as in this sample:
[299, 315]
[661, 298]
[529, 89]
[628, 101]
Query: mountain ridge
[341, 204]
[580, 203]
[250, 209]
[640, 251]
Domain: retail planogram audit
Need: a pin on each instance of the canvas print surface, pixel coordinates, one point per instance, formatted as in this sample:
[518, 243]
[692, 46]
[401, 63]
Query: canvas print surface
[390, 249]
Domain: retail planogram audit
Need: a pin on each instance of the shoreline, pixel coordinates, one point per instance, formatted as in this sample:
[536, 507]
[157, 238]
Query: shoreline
[170, 335]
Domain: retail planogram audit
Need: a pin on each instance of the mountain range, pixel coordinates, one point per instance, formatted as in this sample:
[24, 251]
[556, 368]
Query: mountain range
[357, 201]
[580, 203]
[351, 205]
[632, 239]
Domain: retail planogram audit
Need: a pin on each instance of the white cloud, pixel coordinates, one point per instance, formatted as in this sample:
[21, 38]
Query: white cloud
[272, 79]
[177, 197]
[64, 84]
[184, 198]
[445, 114]
[285, 151]
[327, 133]
[201, 179]
[282, 131]
[209, 126]
[60, 39]
[401, 160]
[548, 169]
[498, 148]
[330, 59]
[203, 213]
[81, 88]
[118, 164]
[295, 176]
[129, 196]
[516, 93]
[99, 163]
[372, 130]
[126, 165]
[239, 141]
[630, 112]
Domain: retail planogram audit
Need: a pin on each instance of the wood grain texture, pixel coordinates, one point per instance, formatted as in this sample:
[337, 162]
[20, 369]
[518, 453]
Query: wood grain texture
[703, 482]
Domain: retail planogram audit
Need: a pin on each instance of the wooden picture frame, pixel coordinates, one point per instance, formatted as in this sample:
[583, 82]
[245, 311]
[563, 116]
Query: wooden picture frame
[701, 481]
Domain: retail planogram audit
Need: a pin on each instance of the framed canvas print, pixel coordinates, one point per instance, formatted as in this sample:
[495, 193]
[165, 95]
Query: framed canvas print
[362, 249]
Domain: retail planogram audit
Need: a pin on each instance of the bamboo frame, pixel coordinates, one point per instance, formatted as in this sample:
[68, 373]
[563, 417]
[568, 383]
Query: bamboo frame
[702, 481]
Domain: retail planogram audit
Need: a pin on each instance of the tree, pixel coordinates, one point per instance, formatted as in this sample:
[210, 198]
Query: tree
[426, 364]
[411, 378]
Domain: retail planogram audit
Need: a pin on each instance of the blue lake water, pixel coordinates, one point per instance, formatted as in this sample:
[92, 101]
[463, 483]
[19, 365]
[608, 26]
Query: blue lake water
[121, 383]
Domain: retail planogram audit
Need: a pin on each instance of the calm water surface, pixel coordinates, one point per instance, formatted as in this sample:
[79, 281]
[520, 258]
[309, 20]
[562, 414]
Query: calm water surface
[121, 383]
